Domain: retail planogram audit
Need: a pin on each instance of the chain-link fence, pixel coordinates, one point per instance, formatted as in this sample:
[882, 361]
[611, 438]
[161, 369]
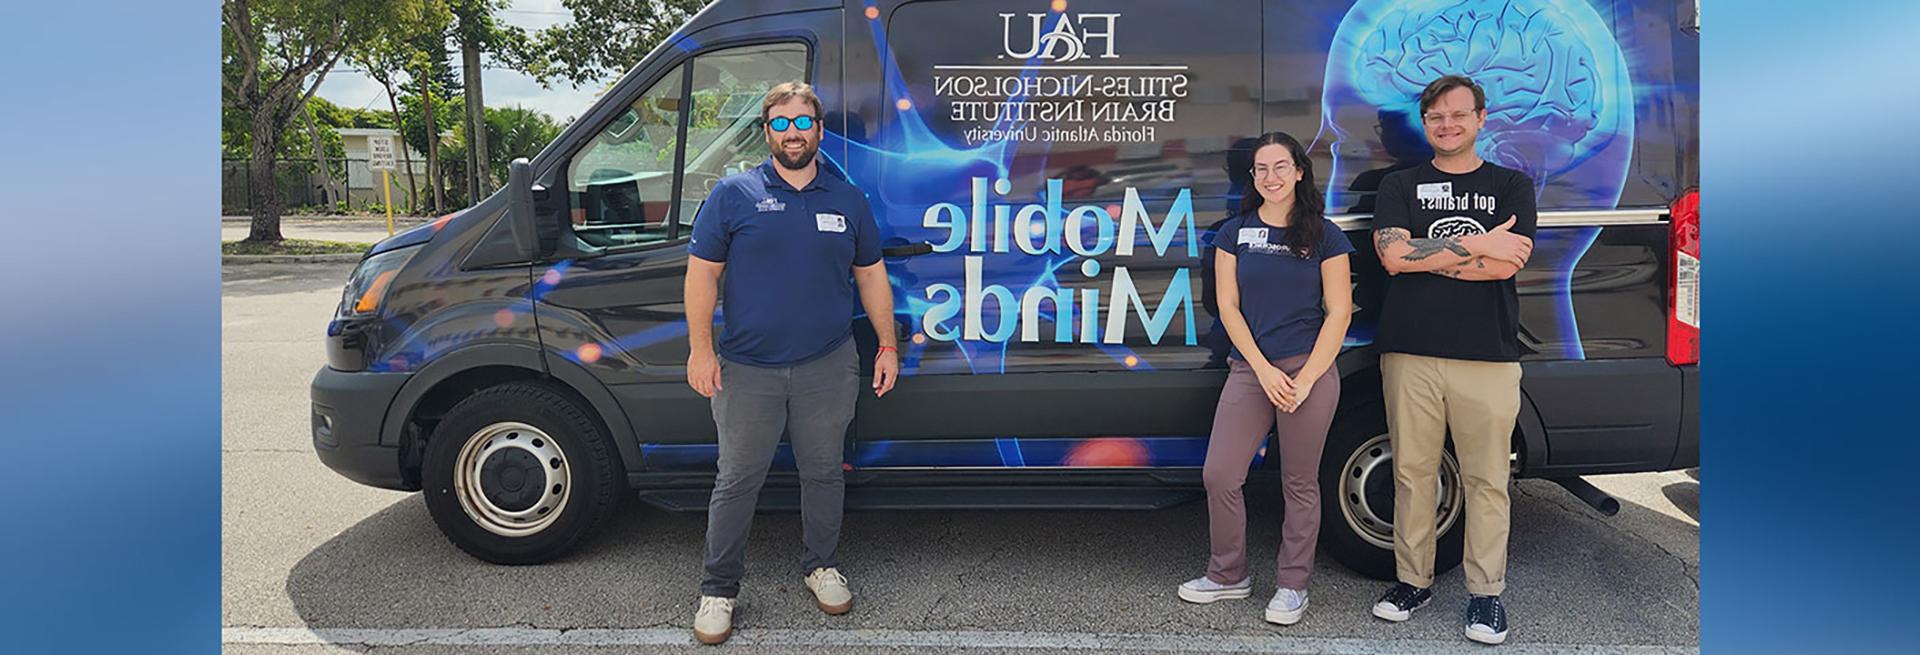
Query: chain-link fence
[349, 186]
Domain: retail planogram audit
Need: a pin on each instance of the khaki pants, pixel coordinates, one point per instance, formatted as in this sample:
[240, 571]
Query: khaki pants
[1479, 401]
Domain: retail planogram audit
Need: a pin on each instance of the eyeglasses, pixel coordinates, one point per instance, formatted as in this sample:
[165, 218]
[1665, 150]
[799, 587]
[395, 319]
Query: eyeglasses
[780, 124]
[1277, 170]
[1456, 117]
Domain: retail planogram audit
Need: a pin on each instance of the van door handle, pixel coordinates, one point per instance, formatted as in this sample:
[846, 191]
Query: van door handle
[907, 250]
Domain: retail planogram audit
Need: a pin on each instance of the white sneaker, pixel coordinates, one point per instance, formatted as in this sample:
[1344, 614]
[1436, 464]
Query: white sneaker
[1287, 606]
[713, 623]
[830, 590]
[1204, 590]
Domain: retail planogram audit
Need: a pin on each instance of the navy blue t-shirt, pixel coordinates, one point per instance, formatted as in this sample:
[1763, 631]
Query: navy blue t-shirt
[1279, 288]
[787, 296]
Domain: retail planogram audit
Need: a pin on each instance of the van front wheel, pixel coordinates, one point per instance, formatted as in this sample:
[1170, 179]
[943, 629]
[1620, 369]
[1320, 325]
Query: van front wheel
[1356, 498]
[519, 473]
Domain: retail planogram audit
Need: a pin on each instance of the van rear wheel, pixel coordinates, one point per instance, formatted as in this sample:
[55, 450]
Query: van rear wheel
[519, 473]
[1356, 498]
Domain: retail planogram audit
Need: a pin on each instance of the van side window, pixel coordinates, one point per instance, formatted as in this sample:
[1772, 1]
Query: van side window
[723, 132]
[620, 185]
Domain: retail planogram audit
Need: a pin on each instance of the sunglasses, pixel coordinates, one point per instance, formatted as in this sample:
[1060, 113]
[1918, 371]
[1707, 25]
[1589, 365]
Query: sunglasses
[780, 124]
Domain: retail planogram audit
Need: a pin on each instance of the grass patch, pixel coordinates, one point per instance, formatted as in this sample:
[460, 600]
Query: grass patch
[293, 247]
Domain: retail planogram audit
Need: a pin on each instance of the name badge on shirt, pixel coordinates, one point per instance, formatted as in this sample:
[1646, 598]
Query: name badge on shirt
[1251, 235]
[830, 222]
[1434, 190]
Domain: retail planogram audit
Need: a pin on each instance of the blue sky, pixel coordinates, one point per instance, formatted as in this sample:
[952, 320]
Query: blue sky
[347, 86]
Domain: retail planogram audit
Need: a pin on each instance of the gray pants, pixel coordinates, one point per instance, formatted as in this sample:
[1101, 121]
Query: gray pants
[812, 403]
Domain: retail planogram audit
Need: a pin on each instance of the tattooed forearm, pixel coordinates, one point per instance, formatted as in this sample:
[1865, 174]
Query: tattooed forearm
[1401, 253]
[1475, 271]
[1424, 248]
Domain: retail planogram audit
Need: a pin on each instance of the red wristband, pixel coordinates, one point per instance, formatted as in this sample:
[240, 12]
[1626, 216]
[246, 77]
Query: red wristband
[889, 348]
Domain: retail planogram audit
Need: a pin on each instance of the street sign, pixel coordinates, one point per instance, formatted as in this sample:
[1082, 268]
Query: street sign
[380, 153]
[380, 158]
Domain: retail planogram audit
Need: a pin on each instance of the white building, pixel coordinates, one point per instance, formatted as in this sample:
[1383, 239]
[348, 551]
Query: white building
[363, 184]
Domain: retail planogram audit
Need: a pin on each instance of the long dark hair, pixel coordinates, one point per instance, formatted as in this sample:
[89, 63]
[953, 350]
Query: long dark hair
[1304, 224]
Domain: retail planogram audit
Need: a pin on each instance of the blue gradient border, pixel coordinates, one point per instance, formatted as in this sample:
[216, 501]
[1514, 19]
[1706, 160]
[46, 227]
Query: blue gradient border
[110, 336]
[1810, 526]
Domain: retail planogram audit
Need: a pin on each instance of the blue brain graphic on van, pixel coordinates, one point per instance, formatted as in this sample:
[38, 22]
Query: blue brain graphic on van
[1559, 98]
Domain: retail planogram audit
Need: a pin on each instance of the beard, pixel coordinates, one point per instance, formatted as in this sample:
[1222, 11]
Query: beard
[797, 162]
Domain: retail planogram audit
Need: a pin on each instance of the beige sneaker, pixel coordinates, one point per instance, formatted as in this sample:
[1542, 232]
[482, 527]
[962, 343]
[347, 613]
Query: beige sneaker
[830, 590]
[714, 622]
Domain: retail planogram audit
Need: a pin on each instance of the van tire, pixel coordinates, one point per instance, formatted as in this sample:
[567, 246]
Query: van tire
[1352, 534]
[499, 438]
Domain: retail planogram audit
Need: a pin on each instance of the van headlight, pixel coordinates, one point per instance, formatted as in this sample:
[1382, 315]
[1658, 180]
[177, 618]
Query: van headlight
[368, 284]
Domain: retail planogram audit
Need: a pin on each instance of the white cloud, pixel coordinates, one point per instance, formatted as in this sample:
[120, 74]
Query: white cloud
[348, 87]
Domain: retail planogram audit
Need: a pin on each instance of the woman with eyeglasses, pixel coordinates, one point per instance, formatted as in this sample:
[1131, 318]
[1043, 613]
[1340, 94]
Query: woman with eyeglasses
[1282, 285]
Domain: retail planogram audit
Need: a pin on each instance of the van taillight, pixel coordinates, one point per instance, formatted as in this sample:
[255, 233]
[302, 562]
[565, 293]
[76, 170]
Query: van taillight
[1683, 282]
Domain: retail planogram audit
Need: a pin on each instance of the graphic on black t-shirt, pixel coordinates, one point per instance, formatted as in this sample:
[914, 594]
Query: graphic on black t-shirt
[1453, 227]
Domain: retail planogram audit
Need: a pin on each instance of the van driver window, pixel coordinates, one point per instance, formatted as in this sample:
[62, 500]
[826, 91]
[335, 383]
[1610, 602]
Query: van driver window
[723, 132]
[621, 185]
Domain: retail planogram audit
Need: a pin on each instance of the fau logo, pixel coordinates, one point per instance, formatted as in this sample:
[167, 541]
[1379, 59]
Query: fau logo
[1069, 40]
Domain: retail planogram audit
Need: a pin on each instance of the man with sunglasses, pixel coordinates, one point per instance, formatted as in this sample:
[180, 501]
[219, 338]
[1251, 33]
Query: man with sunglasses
[798, 246]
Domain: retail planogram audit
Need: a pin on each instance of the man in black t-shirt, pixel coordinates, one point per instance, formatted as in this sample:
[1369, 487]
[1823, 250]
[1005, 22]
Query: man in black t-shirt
[1452, 232]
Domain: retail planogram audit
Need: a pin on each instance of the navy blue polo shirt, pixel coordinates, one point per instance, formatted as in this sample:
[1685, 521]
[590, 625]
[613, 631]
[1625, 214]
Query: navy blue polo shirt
[787, 296]
[1279, 287]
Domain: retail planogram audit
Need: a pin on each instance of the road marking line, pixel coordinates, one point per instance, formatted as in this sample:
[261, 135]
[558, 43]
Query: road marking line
[960, 639]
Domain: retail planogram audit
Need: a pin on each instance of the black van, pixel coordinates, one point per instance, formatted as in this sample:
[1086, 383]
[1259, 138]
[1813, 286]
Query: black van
[1046, 175]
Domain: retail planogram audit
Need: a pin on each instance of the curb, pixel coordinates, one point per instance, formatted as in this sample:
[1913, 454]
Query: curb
[229, 260]
[399, 222]
[230, 218]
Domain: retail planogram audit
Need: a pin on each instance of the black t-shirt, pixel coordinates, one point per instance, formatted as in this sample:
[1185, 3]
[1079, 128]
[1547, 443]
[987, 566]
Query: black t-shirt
[1435, 315]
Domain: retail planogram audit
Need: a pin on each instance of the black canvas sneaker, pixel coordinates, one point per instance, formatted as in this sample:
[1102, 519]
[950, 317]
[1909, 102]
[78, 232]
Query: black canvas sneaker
[1399, 602]
[1486, 620]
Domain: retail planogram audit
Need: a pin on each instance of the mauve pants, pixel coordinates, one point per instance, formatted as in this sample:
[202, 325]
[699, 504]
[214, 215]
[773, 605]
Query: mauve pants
[1240, 424]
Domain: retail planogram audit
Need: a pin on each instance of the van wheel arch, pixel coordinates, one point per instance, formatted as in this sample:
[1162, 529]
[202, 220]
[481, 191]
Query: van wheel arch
[446, 381]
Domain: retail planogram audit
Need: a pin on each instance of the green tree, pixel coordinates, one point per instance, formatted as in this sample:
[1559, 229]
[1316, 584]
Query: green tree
[605, 38]
[388, 59]
[274, 54]
[296, 163]
[516, 132]
[477, 32]
[415, 132]
[512, 131]
[336, 116]
[236, 140]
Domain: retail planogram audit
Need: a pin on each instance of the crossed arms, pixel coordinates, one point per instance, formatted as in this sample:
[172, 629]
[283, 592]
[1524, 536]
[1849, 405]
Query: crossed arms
[1496, 255]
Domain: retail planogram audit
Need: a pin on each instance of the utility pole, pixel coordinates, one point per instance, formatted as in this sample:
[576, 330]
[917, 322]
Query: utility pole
[433, 139]
[479, 178]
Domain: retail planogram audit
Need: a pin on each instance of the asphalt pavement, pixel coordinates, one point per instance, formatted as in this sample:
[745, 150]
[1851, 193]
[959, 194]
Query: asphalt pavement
[314, 563]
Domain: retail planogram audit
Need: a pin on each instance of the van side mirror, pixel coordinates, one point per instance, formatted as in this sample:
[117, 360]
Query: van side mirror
[520, 214]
